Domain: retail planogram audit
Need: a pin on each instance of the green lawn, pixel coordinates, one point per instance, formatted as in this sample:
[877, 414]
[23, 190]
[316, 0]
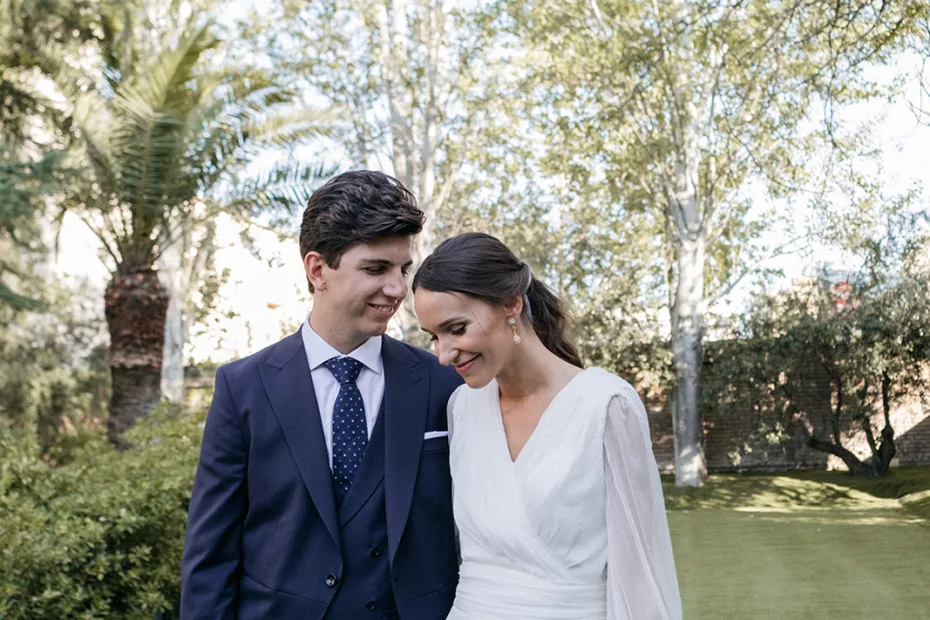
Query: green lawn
[816, 545]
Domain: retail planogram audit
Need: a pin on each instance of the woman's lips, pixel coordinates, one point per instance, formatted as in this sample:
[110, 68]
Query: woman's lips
[463, 368]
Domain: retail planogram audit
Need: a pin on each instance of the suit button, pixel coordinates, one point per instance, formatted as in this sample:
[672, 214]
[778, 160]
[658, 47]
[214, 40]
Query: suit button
[370, 605]
[331, 580]
[375, 552]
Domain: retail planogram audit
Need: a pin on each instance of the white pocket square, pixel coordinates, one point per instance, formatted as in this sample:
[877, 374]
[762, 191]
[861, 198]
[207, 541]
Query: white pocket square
[435, 434]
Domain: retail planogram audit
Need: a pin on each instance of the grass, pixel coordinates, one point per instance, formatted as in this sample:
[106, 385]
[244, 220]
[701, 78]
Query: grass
[812, 545]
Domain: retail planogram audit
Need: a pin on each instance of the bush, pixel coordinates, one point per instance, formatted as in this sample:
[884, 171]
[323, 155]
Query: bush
[101, 536]
[53, 365]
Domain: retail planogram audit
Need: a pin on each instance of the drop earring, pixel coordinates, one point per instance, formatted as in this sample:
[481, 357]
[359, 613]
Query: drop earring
[512, 321]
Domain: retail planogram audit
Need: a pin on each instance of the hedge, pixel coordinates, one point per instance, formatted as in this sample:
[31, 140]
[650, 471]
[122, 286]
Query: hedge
[102, 535]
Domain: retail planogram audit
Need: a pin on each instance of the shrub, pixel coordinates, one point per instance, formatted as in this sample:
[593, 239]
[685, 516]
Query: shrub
[101, 536]
[53, 366]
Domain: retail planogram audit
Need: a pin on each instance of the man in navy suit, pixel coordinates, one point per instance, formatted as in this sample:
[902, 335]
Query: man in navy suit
[323, 485]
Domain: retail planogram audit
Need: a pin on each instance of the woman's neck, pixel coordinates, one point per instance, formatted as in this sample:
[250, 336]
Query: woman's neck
[532, 368]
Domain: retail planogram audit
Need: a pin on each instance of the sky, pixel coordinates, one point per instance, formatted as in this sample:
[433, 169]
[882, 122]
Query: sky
[904, 145]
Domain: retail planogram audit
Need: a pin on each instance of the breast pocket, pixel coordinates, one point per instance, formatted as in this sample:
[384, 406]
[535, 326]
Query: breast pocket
[435, 444]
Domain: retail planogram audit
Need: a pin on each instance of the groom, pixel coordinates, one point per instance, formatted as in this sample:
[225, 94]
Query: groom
[323, 485]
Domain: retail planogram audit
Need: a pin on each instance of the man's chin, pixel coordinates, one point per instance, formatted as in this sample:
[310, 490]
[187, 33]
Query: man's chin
[377, 325]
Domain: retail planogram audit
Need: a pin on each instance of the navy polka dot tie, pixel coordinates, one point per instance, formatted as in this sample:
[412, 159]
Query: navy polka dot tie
[350, 427]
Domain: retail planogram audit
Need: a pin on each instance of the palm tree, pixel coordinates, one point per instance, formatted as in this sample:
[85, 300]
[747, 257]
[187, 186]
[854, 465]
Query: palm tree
[166, 132]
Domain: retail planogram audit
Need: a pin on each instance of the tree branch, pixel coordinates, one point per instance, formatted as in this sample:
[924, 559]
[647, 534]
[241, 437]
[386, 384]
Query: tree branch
[716, 297]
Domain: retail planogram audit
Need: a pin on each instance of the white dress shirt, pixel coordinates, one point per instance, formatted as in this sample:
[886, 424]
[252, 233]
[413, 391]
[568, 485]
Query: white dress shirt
[370, 380]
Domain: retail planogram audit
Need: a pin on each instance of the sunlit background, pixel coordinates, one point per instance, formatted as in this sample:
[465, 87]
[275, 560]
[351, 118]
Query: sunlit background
[732, 197]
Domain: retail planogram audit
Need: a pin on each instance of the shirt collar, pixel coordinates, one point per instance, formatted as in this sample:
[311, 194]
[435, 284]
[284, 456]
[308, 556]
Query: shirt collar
[319, 351]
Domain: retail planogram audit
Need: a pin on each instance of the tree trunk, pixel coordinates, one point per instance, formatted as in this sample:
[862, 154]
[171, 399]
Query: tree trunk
[392, 22]
[687, 334]
[886, 449]
[172, 374]
[431, 44]
[882, 453]
[855, 465]
[136, 308]
[181, 268]
[170, 266]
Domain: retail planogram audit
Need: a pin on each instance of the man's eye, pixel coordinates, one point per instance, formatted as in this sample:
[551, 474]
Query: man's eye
[375, 270]
[433, 338]
[457, 331]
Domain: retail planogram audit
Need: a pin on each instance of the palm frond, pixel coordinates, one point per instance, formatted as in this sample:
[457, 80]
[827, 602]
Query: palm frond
[150, 112]
[14, 300]
[290, 128]
[174, 130]
[277, 192]
[102, 163]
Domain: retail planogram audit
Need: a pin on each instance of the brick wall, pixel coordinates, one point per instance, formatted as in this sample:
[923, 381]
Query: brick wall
[734, 443]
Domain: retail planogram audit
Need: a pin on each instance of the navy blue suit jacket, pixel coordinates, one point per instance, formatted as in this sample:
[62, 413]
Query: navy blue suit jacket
[262, 522]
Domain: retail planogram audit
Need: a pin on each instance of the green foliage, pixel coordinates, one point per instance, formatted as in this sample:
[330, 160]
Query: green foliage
[25, 187]
[604, 268]
[872, 351]
[53, 366]
[102, 536]
[173, 129]
[36, 38]
[667, 111]
[870, 345]
[670, 114]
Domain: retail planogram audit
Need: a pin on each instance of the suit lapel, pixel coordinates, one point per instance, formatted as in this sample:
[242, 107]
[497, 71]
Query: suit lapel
[287, 382]
[406, 396]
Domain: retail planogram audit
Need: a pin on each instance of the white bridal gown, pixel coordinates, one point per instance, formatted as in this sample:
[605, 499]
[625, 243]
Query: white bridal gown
[575, 528]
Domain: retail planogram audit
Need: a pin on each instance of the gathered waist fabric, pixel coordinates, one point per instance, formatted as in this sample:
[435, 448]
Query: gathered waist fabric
[490, 592]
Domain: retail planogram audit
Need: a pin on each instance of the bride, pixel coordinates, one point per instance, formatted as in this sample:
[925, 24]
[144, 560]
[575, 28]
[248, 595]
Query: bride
[556, 491]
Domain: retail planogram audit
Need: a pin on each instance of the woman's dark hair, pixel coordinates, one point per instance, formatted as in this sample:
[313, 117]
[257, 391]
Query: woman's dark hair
[480, 266]
[357, 207]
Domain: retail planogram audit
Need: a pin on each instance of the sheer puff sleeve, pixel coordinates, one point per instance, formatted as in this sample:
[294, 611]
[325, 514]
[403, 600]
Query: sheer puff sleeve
[641, 579]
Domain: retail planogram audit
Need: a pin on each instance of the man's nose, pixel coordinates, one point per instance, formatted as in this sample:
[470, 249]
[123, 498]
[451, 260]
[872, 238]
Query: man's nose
[396, 286]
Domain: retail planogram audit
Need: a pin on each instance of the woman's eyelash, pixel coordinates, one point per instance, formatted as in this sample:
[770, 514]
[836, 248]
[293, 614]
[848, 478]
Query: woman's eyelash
[455, 331]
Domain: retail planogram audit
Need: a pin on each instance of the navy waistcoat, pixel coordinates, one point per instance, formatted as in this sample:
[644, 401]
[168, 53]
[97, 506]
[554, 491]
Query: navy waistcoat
[365, 589]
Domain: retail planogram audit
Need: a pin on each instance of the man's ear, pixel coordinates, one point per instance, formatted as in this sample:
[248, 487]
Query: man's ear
[313, 266]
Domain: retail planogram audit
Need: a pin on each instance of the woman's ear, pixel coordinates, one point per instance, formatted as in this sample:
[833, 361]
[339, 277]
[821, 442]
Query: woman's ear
[514, 307]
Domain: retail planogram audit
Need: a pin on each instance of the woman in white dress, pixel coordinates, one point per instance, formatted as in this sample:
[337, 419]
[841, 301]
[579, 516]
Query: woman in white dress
[557, 496]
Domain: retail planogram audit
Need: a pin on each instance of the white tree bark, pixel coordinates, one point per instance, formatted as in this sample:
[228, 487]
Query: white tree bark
[181, 266]
[170, 272]
[691, 223]
[392, 22]
[414, 160]
[687, 352]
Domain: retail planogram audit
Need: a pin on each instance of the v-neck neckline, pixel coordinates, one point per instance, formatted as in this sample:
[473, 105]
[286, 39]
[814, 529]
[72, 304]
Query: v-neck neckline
[495, 393]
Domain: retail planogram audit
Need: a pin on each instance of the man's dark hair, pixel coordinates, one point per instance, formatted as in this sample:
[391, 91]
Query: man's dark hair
[357, 207]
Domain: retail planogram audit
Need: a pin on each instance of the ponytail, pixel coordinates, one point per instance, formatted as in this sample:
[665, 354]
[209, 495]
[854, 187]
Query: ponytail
[549, 321]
